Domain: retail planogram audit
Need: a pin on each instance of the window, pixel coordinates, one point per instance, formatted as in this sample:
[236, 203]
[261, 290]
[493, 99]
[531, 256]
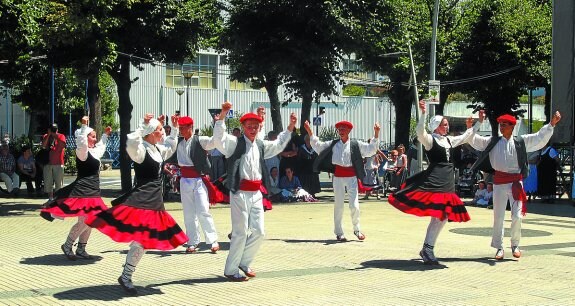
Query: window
[203, 68]
[237, 85]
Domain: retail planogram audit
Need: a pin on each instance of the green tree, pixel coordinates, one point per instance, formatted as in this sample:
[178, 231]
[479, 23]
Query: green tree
[505, 34]
[113, 35]
[296, 43]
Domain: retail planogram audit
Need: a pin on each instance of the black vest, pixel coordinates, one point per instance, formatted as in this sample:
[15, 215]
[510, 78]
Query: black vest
[232, 180]
[323, 161]
[199, 156]
[484, 164]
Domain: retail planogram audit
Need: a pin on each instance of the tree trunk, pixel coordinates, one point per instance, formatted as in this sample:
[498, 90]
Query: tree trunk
[94, 102]
[306, 103]
[275, 105]
[122, 78]
[402, 99]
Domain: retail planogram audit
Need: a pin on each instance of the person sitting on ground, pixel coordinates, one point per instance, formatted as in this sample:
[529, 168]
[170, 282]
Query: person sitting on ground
[479, 193]
[8, 170]
[371, 179]
[292, 190]
[274, 190]
[487, 198]
[27, 170]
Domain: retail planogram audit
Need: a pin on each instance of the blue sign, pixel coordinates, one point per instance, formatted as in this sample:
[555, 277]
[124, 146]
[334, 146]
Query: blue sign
[230, 114]
[317, 121]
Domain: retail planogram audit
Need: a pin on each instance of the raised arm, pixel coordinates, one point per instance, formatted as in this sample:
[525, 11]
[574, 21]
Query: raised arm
[369, 149]
[82, 140]
[537, 141]
[273, 148]
[314, 141]
[100, 148]
[422, 135]
[224, 142]
[468, 135]
[170, 144]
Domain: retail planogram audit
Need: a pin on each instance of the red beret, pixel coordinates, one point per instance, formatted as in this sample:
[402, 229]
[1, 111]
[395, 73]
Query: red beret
[185, 121]
[249, 116]
[344, 123]
[507, 118]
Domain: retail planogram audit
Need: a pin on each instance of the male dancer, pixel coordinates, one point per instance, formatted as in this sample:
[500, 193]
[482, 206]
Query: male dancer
[508, 157]
[344, 157]
[246, 175]
[195, 169]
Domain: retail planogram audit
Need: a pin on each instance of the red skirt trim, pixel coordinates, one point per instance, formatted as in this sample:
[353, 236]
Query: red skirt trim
[440, 205]
[74, 207]
[153, 229]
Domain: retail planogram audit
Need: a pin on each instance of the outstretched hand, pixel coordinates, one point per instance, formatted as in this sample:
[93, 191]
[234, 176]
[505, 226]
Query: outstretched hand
[162, 119]
[108, 130]
[555, 119]
[481, 115]
[148, 117]
[469, 122]
[308, 129]
[292, 121]
[174, 120]
[422, 105]
[85, 120]
[376, 129]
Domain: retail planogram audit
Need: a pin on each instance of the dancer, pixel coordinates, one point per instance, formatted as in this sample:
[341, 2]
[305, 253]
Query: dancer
[194, 184]
[344, 158]
[246, 175]
[509, 160]
[82, 197]
[432, 191]
[139, 216]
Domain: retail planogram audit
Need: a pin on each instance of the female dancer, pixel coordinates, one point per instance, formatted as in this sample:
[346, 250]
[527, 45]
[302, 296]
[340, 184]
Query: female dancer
[432, 192]
[139, 216]
[82, 197]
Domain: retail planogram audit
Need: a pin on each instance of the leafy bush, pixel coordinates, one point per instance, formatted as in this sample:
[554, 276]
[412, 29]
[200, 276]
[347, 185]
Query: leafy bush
[328, 133]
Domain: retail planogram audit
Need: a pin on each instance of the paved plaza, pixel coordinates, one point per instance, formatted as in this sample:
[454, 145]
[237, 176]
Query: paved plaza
[300, 263]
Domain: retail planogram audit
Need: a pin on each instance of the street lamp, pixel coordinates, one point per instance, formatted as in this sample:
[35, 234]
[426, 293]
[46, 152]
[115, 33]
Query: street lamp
[180, 92]
[188, 76]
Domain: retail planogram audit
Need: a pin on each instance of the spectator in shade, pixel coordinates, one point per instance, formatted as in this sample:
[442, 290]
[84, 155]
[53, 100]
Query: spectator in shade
[274, 161]
[308, 178]
[8, 170]
[27, 170]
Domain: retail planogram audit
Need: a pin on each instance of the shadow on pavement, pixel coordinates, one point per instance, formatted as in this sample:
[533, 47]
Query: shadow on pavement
[103, 293]
[17, 208]
[323, 241]
[400, 265]
[204, 248]
[210, 280]
[561, 208]
[59, 260]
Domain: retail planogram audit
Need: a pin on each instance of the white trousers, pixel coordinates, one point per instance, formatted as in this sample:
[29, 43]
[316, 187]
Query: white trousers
[247, 212]
[11, 181]
[339, 186]
[502, 193]
[196, 207]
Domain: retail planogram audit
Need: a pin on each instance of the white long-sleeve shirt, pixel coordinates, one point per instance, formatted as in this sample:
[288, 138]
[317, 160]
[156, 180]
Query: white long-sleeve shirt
[82, 148]
[137, 147]
[503, 156]
[183, 149]
[341, 153]
[427, 139]
[250, 168]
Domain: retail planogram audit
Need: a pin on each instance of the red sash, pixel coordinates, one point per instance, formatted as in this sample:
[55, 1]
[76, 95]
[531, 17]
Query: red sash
[248, 185]
[189, 172]
[500, 178]
[344, 171]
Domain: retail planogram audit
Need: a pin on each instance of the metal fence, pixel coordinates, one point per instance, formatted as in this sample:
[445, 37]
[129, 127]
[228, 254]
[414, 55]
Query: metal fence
[112, 149]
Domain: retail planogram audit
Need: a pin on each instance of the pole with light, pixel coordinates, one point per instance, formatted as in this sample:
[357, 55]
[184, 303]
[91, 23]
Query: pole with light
[188, 77]
[180, 92]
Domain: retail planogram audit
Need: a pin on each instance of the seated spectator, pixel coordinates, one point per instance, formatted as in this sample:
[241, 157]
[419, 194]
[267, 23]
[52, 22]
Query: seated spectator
[292, 190]
[389, 168]
[371, 179]
[8, 170]
[274, 182]
[487, 198]
[400, 167]
[274, 161]
[479, 193]
[27, 171]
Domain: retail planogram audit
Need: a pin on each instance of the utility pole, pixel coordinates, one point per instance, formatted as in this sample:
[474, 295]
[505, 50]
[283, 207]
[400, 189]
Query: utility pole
[433, 59]
[416, 100]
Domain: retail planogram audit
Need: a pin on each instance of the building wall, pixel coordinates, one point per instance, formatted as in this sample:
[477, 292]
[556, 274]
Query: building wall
[13, 119]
